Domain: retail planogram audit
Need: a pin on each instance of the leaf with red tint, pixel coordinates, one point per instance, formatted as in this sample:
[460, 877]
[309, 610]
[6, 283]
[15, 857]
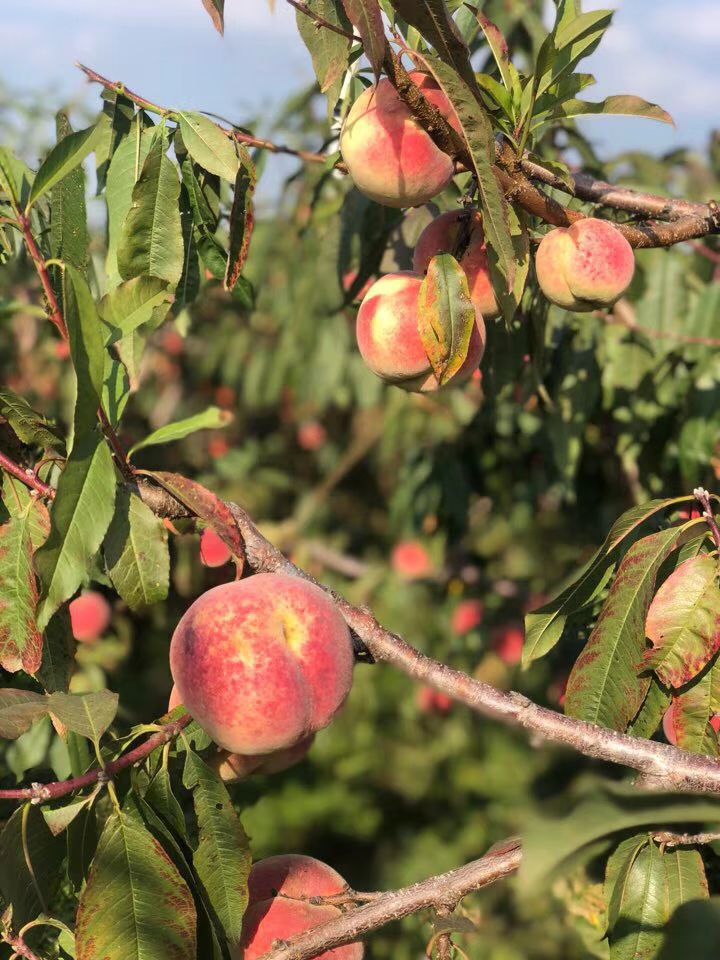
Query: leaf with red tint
[206, 506]
[216, 11]
[20, 640]
[445, 316]
[687, 722]
[683, 622]
[242, 219]
[366, 16]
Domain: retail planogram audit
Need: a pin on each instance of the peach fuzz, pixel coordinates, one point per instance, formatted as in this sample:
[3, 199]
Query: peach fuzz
[442, 236]
[279, 889]
[214, 552]
[391, 159]
[262, 663]
[586, 266]
[389, 338]
[89, 616]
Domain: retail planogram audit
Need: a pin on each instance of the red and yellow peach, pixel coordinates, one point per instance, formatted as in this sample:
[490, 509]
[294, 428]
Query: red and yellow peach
[214, 552]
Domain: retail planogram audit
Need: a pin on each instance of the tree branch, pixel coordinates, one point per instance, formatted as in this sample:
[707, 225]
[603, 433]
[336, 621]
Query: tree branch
[26, 476]
[444, 890]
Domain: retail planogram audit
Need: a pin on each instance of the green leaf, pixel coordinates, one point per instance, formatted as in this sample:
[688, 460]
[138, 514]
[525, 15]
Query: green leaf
[29, 425]
[366, 16]
[242, 220]
[211, 419]
[652, 711]
[683, 622]
[620, 105]
[60, 818]
[544, 626]
[64, 157]
[123, 173]
[133, 884]
[86, 347]
[433, 21]
[136, 553]
[20, 640]
[80, 516]
[604, 687]
[15, 178]
[446, 316]
[642, 912]
[30, 859]
[329, 50]
[499, 48]
[87, 714]
[222, 859]
[19, 710]
[617, 873]
[216, 12]
[203, 195]
[151, 239]
[693, 932]
[119, 112]
[161, 798]
[206, 143]
[552, 843]
[133, 304]
[69, 238]
[58, 659]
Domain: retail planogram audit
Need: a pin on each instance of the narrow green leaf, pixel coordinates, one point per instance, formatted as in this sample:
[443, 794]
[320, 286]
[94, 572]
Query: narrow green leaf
[211, 419]
[650, 715]
[19, 710]
[133, 304]
[60, 818]
[87, 714]
[209, 147]
[86, 347]
[446, 316]
[30, 859]
[119, 111]
[29, 425]
[693, 932]
[132, 884]
[64, 157]
[151, 239]
[329, 50]
[69, 237]
[642, 914]
[58, 659]
[20, 640]
[222, 859]
[123, 173]
[15, 178]
[620, 105]
[499, 48]
[136, 553]
[366, 16]
[161, 798]
[604, 687]
[80, 516]
[617, 873]
[242, 219]
[433, 21]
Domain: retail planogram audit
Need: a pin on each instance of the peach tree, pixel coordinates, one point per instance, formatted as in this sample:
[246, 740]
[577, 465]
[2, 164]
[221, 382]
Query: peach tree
[542, 323]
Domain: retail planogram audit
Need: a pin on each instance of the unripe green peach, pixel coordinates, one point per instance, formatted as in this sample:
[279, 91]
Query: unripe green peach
[586, 266]
[442, 235]
[389, 339]
[262, 663]
[389, 156]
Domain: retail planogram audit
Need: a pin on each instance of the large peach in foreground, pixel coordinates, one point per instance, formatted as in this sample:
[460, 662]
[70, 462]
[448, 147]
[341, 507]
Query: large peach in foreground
[279, 890]
[389, 338]
[262, 663]
[389, 156]
[444, 235]
[586, 266]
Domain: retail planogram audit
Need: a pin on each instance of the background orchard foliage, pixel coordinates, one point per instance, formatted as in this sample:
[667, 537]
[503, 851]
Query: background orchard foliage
[233, 363]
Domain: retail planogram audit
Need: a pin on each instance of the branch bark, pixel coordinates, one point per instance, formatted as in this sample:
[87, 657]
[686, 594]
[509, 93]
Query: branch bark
[444, 890]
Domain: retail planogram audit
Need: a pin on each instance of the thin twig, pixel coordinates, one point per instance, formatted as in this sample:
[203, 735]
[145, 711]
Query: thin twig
[19, 947]
[623, 314]
[26, 476]
[669, 839]
[703, 498]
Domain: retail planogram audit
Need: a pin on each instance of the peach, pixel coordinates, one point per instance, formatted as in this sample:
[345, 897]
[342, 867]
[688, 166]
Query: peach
[279, 889]
[442, 236]
[508, 644]
[311, 435]
[214, 552]
[233, 767]
[389, 338]
[389, 156]
[586, 266]
[411, 561]
[262, 663]
[89, 616]
[467, 616]
[218, 447]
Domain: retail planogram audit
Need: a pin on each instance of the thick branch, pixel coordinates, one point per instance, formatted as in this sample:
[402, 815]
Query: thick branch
[41, 792]
[444, 890]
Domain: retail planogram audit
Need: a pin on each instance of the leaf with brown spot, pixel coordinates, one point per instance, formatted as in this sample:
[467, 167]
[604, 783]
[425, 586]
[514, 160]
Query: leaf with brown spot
[366, 16]
[604, 687]
[20, 640]
[203, 504]
[216, 12]
[19, 709]
[683, 622]
[446, 316]
[135, 905]
[690, 713]
[242, 219]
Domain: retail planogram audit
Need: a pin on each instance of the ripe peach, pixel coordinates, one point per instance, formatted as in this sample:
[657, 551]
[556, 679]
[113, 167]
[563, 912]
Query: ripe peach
[585, 266]
[218, 447]
[389, 339]
[279, 889]
[467, 616]
[508, 644]
[442, 236]
[214, 552]
[233, 767]
[262, 663]
[311, 435]
[389, 156]
[89, 616]
[411, 561]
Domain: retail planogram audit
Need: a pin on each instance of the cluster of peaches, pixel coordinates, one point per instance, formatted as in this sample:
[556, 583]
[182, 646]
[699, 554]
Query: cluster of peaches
[395, 162]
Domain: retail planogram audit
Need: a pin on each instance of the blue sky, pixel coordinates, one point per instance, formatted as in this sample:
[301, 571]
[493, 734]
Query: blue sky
[664, 50]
